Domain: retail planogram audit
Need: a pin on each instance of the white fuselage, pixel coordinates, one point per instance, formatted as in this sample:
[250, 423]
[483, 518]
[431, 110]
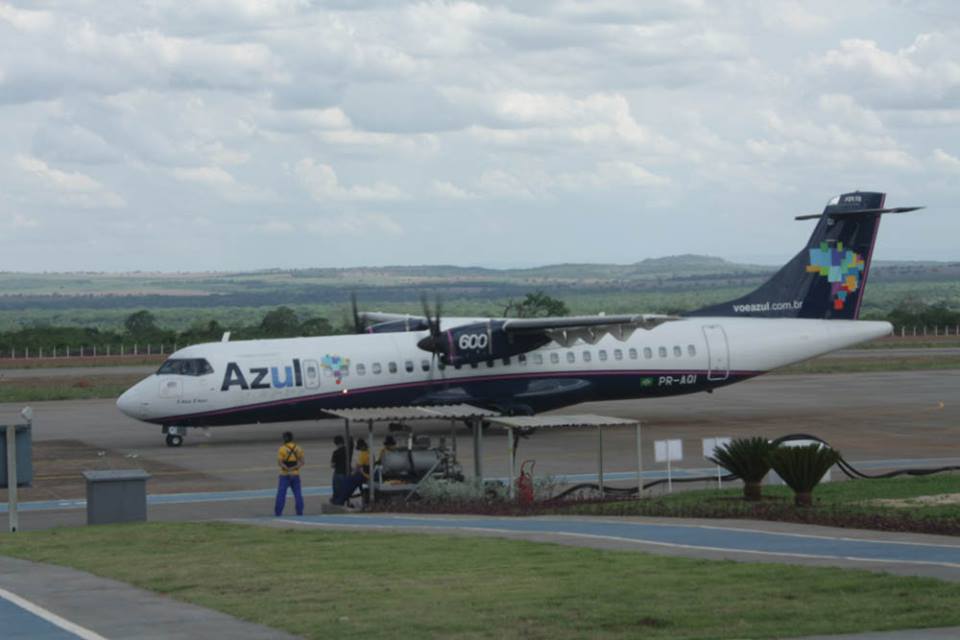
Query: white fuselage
[267, 380]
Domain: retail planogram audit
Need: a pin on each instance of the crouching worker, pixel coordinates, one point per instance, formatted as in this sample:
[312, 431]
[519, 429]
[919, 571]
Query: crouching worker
[290, 459]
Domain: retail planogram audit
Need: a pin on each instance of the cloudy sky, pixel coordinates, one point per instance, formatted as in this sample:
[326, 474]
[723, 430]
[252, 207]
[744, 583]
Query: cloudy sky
[235, 134]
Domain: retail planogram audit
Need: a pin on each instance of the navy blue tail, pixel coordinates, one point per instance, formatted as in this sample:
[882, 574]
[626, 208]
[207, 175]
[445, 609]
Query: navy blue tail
[827, 278]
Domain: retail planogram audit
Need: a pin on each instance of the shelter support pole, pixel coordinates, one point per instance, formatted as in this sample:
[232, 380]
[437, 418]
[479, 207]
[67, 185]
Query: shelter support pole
[600, 459]
[370, 450]
[639, 463]
[12, 516]
[510, 462]
[477, 450]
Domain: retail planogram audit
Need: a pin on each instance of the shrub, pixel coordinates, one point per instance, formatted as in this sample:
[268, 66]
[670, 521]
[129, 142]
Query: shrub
[748, 459]
[802, 468]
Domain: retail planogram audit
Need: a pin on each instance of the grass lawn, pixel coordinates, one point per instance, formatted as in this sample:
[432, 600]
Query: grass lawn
[358, 585]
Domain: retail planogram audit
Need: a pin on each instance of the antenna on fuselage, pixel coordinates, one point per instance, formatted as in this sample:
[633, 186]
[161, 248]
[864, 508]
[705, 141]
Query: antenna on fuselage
[226, 337]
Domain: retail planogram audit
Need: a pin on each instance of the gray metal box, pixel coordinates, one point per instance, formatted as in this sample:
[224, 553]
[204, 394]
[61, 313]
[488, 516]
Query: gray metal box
[116, 496]
[24, 455]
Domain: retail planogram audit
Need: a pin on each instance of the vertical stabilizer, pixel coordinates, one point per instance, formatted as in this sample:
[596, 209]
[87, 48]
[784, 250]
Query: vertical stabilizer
[827, 278]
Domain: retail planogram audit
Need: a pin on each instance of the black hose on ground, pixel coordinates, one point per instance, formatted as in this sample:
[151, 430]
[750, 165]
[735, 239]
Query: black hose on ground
[848, 470]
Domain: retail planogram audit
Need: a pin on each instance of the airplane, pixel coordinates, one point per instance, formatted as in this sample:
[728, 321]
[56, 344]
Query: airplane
[529, 365]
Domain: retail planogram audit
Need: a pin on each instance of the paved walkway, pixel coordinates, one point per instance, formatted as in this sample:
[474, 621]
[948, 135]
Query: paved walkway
[56, 603]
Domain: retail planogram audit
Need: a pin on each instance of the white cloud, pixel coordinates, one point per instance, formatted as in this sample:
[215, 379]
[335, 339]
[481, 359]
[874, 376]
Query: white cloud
[71, 188]
[355, 224]
[946, 161]
[321, 182]
[25, 19]
[221, 182]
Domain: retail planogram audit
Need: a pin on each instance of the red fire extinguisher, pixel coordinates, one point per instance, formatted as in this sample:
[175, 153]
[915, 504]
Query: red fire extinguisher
[525, 483]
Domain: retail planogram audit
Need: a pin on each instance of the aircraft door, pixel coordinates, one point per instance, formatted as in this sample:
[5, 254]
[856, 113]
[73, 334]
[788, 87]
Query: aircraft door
[311, 374]
[718, 352]
[170, 387]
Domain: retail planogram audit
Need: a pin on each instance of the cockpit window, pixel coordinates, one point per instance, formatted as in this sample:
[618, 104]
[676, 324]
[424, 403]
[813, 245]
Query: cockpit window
[185, 367]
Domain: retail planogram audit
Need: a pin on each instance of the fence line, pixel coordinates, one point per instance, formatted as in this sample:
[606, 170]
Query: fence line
[86, 351]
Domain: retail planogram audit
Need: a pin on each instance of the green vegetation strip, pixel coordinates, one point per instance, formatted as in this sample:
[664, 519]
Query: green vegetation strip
[867, 365]
[65, 388]
[853, 503]
[359, 585]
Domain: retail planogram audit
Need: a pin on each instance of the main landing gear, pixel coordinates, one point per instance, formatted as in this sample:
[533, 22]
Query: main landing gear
[174, 435]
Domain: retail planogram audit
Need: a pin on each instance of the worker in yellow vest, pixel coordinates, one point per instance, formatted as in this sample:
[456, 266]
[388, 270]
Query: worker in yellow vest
[290, 459]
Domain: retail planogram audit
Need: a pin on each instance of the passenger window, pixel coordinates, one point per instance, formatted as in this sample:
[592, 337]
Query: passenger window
[603, 355]
[490, 364]
[458, 366]
[632, 353]
[691, 350]
[425, 364]
[618, 354]
[571, 356]
[392, 367]
[474, 365]
[506, 361]
[554, 357]
[538, 358]
[587, 356]
[361, 369]
[522, 358]
[647, 353]
[677, 351]
[408, 365]
[662, 351]
[376, 368]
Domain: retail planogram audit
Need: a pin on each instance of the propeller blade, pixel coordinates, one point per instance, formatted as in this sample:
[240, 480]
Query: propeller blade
[359, 326]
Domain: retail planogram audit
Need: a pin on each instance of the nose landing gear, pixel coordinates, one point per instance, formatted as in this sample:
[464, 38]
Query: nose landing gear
[174, 435]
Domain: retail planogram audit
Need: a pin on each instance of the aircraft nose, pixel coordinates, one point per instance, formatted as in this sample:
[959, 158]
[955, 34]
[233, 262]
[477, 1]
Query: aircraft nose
[131, 402]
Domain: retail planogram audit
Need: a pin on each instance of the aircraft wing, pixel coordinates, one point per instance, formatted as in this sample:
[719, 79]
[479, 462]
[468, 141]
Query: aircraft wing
[568, 329]
[375, 317]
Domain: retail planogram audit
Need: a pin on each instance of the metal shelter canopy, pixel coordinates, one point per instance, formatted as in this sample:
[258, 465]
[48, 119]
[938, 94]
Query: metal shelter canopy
[425, 412]
[530, 423]
[450, 412]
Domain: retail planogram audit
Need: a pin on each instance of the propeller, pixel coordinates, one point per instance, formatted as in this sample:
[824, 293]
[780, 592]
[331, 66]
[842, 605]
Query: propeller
[433, 341]
[358, 323]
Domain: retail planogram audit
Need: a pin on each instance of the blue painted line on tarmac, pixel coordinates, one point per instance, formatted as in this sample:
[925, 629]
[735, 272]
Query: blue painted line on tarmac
[20, 624]
[690, 536]
[576, 478]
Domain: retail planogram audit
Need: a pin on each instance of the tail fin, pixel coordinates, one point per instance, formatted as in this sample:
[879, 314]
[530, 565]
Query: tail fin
[827, 278]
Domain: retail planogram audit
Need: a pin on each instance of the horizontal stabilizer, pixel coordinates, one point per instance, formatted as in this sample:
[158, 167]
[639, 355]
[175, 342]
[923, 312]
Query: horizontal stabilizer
[853, 212]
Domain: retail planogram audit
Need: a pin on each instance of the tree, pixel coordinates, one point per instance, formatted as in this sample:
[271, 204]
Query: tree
[141, 324]
[316, 327]
[536, 305]
[748, 459]
[802, 468]
[282, 322]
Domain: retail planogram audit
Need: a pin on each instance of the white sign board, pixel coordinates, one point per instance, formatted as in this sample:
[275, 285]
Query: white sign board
[709, 444]
[668, 450]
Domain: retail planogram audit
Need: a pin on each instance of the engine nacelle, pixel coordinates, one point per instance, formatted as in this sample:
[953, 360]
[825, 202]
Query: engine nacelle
[481, 341]
[399, 326]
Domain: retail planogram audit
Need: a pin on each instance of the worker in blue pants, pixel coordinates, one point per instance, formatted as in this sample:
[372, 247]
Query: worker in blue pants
[290, 459]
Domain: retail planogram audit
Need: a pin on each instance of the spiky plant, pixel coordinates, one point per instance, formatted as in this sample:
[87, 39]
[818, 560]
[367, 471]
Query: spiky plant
[748, 459]
[802, 468]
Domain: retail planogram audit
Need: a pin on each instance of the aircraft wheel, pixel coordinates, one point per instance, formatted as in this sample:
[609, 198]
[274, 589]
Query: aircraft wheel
[174, 440]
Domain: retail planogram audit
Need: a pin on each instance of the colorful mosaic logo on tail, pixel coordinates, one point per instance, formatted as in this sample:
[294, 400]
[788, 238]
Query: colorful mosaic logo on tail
[336, 365]
[842, 268]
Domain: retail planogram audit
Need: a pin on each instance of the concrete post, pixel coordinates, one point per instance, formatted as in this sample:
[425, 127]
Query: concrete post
[12, 516]
[477, 451]
[600, 459]
[639, 463]
[370, 450]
